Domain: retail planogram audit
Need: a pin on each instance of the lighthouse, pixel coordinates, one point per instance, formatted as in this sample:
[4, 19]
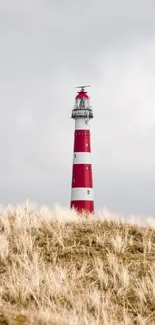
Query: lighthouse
[82, 196]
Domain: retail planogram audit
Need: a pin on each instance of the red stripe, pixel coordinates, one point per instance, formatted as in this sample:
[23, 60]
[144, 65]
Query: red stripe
[82, 175]
[83, 205]
[82, 141]
[82, 131]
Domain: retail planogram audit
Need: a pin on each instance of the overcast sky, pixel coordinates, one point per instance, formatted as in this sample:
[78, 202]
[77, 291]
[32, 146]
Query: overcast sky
[47, 48]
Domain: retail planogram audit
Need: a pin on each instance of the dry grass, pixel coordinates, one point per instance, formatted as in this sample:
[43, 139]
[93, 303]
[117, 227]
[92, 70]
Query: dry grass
[60, 269]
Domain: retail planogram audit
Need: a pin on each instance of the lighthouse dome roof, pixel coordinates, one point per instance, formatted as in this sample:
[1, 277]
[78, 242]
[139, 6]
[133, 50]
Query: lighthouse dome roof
[82, 94]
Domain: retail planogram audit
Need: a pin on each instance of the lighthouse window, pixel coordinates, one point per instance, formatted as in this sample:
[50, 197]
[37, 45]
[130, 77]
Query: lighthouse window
[86, 122]
[75, 155]
[88, 191]
[86, 144]
[87, 167]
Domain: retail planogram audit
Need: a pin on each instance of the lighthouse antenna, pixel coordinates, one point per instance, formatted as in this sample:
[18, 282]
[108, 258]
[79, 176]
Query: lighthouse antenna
[82, 87]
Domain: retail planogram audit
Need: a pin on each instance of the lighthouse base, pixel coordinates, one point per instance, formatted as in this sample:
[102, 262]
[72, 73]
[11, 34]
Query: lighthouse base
[81, 206]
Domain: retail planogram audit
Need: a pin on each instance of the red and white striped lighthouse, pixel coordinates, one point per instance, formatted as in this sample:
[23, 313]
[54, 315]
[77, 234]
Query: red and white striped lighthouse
[82, 196]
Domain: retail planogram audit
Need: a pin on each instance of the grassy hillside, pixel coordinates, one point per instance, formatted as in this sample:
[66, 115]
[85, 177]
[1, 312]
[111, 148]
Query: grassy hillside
[60, 269]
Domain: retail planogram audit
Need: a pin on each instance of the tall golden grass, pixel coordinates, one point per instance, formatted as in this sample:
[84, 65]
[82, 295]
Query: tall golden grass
[59, 268]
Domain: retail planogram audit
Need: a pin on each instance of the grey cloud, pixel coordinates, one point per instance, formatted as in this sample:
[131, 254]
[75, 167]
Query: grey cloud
[47, 48]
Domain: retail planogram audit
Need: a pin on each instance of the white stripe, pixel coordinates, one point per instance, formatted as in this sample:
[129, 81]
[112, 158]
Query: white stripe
[82, 193]
[82, 158]
[80, 124]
